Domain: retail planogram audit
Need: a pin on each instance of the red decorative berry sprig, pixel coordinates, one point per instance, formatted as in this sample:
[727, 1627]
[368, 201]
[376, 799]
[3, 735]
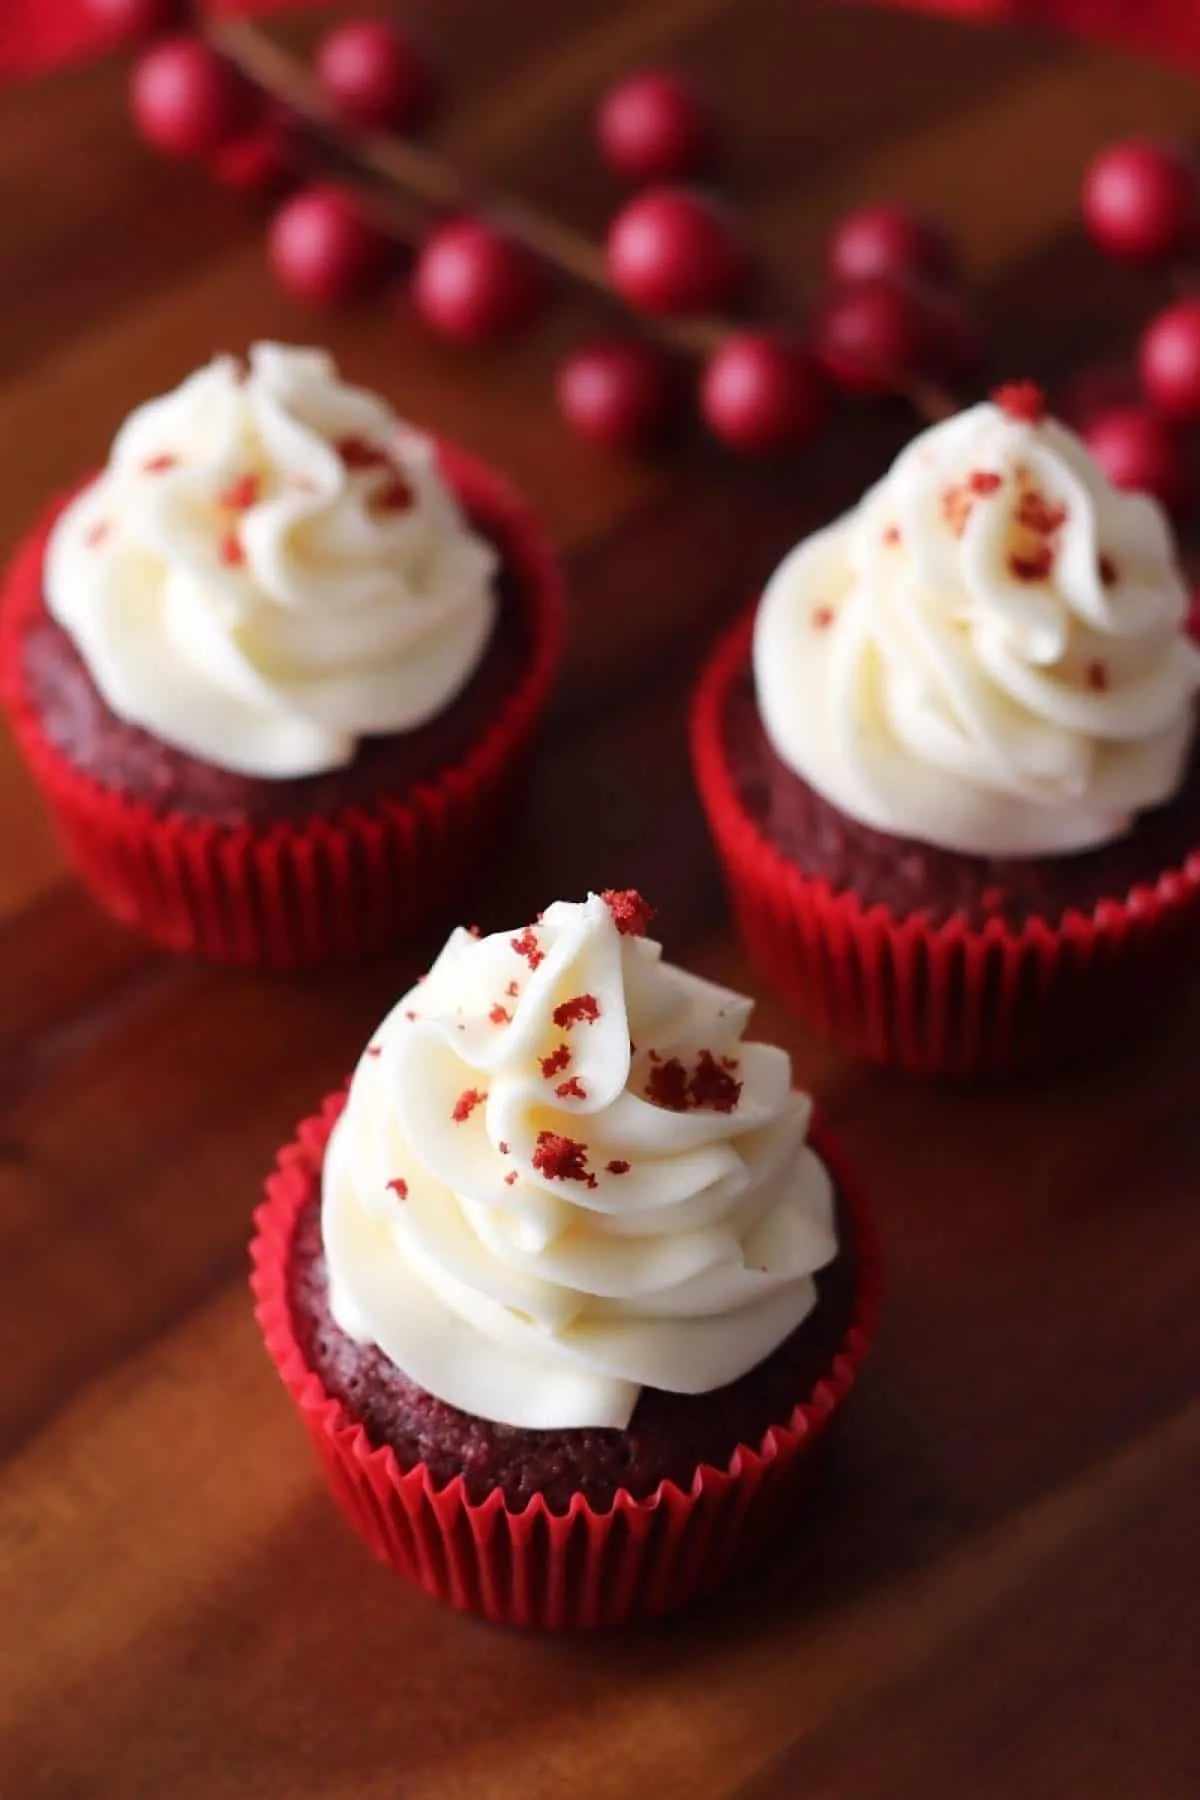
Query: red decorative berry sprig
[892, 319]
[1141, 205]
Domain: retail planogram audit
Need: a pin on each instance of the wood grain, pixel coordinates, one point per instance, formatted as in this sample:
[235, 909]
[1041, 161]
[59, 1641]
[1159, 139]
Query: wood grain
[992, 1589]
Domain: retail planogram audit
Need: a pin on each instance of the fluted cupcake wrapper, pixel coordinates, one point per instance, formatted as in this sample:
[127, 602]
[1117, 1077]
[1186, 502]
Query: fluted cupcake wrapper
[950, 998]
[325, 889]
[581, 1568]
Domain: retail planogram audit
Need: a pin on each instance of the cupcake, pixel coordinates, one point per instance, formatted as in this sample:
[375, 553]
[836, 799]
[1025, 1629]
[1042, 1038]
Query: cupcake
[950, 760]
[276, 667]
[564, 1285]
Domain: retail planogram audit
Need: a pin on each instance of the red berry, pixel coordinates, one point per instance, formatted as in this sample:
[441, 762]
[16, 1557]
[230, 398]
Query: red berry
[1169, 360]
[653, 127]
[890, 240]
[475, 285]
[1141, 201]
[372, 73]
[187, 100]
[321, 250]
[762, 391]
[1137, 450]
[671, 251]
[256, 163]
[871, 335]
[133, 21]
[618, 394]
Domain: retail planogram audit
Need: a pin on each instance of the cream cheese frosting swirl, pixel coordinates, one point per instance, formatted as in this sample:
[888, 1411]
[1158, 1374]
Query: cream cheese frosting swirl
[271, 567]
[988, 654]
[563, 1175]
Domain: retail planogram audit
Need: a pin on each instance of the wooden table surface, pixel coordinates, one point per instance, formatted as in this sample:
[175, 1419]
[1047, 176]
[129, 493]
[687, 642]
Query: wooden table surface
[994, 1589]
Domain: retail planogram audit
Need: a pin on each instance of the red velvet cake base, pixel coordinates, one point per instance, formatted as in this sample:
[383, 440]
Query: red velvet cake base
[995, 986]
[283, 891]
[528, 1561]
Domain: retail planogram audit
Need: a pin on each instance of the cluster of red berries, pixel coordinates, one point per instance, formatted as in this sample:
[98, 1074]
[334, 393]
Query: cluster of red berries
[892, 313]
[1141, 205]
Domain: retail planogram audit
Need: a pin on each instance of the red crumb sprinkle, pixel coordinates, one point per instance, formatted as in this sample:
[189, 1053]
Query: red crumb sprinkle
[1021, 400]
[983, 481]
[1098, 677]
[580, 1009]
[1036, 512]
[891, 535]
[631, 913]
[571, 1089]
[667, 1085]
[510, 1178]
[158, 465]
[500, 1015]
[512, 990]
[395, 496]
[96, 534]
[562, 1159]
[956, 507]
[373, 1050]
[1032, 565]
[466, 1103]
[618, 1166]
[713, 1085]
[822, 618]
[556, 1062]
[360, 453]
[1108, 571]
[240, 493]
[410, 1015]
[502, 1147]
[474, 931]
[526, 945]
[230, 550]
[399, 1187]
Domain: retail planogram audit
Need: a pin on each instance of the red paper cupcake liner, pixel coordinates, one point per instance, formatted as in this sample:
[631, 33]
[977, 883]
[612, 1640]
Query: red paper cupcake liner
[950, 998]
[333, 887]
[581, 1568]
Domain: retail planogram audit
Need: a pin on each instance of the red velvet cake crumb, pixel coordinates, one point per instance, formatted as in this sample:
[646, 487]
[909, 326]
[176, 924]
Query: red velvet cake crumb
[561, 1158]
[580, 1009]
[360, 453]
[96, 534]
[158, 465]
[618, 1166]
[396, 496]
[712, 1085]
[557, 1061]
[240, 494]
[571, 1089]
[667, 1085]
[466, 1103]
[230, 550]
[983, 481]
[822, 618]
[526, 945]
[399, 1187]
[500, 1015]
[1031, 565]
[1022, 400]
[631, 913]
[1097, 677]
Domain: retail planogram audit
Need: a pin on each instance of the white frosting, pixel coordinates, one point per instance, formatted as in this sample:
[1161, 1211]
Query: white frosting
[271, 567]
[547, 1300]
[988, 653]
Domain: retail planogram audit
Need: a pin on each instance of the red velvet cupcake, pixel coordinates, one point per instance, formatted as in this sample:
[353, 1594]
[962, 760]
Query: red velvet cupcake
[277, 667]
[561, 1288]
[950, 760]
